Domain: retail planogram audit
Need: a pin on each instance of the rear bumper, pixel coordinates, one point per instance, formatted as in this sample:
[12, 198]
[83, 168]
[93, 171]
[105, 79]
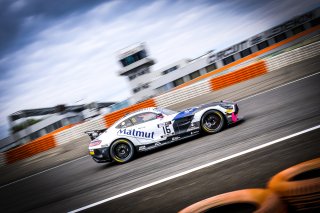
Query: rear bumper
[101, 155]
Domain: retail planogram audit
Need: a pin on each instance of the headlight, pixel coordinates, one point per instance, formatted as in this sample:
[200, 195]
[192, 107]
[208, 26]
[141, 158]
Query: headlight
[226, 106]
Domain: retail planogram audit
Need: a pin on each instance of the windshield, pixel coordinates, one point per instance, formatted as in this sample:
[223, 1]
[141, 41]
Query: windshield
[167, 111]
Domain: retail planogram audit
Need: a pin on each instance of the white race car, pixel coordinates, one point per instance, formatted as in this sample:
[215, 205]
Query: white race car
[150, 128]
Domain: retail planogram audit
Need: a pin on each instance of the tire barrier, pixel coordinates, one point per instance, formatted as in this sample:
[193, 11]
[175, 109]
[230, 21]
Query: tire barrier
[34, 147]
[243, 74]
[299, 185]
[251, 200]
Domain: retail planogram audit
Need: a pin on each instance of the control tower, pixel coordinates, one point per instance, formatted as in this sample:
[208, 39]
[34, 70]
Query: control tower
[136, 66]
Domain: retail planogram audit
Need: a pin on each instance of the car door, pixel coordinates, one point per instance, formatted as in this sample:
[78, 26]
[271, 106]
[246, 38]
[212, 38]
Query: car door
[146, 128]
[126, 130]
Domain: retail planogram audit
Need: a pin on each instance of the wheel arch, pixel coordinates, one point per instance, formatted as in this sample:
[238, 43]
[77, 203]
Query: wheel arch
[222, 113]
[217, 111]
[122, 138]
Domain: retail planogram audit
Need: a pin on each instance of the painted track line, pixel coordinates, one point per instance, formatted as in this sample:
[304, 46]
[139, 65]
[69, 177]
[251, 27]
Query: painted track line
[30, 176]
[196, 169]
[277, 87]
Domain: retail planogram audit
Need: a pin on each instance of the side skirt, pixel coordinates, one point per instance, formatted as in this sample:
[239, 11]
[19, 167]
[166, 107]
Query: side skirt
[169, 140]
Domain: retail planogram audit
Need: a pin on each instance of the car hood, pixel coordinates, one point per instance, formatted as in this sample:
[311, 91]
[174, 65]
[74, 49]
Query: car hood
[192, 110]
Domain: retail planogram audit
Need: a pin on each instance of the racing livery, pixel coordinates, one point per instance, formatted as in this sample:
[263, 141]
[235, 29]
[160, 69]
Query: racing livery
[153, 127]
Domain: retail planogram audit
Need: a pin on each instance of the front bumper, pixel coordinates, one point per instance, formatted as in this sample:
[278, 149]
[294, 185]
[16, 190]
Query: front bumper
[101, 155]
[232, 115]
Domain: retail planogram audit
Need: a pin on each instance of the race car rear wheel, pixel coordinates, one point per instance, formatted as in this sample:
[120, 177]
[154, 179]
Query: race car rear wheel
[122, 151]
[212, 122]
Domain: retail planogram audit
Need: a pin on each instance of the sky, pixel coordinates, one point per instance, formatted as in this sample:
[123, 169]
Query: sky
[65, 51]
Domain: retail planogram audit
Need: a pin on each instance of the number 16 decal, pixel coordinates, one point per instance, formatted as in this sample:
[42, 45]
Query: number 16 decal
[166, 130]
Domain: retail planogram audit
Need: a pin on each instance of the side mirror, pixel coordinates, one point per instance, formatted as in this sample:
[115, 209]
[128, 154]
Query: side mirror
[159, 115]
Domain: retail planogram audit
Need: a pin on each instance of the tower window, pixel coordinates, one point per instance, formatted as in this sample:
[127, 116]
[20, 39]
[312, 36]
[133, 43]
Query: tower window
[211, 67]
[133, 58]
[280, 37]
[298, 29]
[194, 75]
[178, 82]
[170, 70]
[262, 45]
[228, 60]
[315, 22]
[245, 52]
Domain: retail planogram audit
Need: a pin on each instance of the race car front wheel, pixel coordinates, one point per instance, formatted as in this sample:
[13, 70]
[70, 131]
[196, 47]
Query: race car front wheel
[122, 151]
[212, 122]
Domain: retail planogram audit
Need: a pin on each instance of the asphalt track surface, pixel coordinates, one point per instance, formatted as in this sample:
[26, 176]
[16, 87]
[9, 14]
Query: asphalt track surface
[268, 116]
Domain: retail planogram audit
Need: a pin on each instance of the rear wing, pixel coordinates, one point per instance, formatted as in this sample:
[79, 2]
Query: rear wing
[93, 134]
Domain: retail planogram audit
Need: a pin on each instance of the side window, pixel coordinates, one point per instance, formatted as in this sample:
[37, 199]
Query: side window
[124, 124]
[143, 117]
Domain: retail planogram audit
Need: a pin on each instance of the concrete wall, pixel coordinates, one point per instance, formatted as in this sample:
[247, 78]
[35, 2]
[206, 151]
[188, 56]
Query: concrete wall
[293, 56]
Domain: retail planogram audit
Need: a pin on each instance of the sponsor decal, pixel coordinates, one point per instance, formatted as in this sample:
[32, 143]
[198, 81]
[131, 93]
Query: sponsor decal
[194, 132]
[164, 124]
[136, 133]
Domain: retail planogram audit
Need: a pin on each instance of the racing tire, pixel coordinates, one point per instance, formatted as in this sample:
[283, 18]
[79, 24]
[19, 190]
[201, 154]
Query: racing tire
[247, 200]
[212, 122]
[122, 151]
[299, 185]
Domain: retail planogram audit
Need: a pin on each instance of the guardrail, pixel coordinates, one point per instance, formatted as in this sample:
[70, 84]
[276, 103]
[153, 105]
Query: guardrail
[68, 133]
[183, 94]
[77, 131]
[293, 56]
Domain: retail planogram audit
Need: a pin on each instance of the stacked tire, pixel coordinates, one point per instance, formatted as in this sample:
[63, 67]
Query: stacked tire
[299, 186]
[247, 200]
[296, 189]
